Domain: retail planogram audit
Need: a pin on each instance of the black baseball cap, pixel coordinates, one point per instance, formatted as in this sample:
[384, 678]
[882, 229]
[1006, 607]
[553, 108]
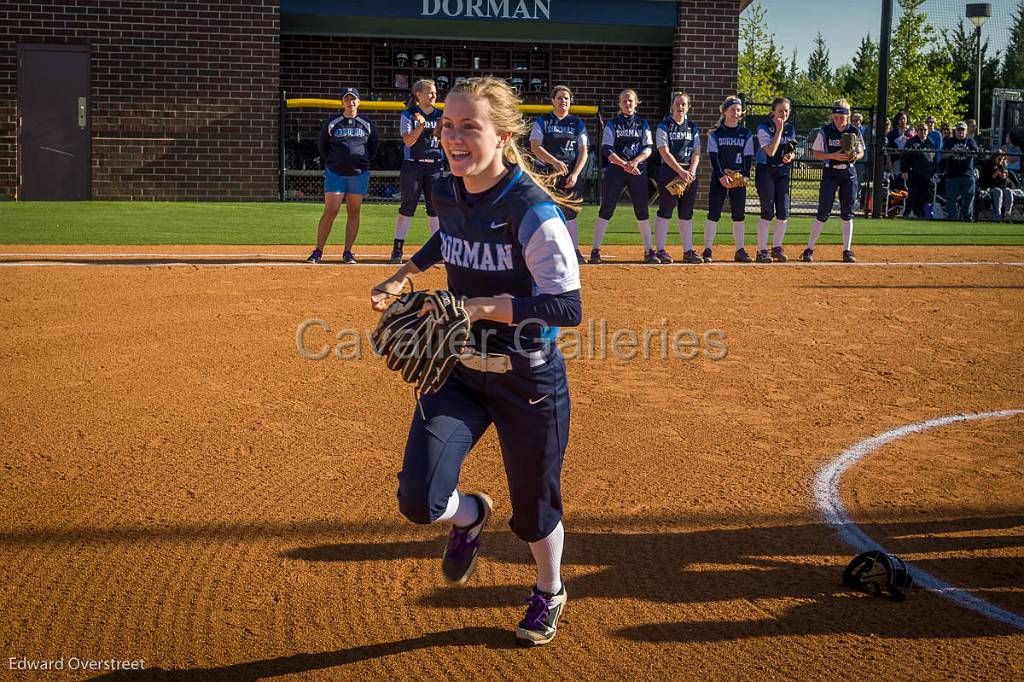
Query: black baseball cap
[349, 91]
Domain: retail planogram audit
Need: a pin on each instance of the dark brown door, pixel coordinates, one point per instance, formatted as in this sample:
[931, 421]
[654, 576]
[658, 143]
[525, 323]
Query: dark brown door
[53, 122]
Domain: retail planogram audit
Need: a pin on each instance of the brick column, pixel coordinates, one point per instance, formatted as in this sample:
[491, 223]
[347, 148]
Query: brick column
[704, 63]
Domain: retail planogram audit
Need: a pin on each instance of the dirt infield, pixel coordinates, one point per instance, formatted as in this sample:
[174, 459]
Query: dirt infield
[182, 487]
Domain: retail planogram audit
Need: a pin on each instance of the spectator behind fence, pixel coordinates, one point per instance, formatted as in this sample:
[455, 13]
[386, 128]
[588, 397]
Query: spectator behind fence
[1000, 182]
[958, 170]
[972, 129]
[918, 165]
[936, 138]
[897, 139]
[857, 121]
[1012, 149]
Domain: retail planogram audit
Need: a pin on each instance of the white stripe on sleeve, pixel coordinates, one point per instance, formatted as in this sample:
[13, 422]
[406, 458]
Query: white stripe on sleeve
[551, 258]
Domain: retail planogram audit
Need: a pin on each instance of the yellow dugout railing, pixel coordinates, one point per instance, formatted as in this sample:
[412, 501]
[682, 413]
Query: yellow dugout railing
[370, 105]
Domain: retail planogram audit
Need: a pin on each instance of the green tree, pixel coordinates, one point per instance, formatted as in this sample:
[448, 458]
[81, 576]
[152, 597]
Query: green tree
[761, 67]
[959, 50]
[916, 84]
[818, 69]
[1013, 61]
[859, 80]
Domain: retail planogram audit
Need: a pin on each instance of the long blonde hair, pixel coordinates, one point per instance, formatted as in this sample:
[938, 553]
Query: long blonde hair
[508, 119]
[726, 103]
[420, 86]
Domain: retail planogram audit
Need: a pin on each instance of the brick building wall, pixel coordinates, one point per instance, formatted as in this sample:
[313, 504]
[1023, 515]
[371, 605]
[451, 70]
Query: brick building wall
[705, 51]
[184, 99]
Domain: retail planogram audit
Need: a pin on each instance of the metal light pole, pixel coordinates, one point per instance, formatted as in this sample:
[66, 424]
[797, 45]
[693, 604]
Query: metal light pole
[879, 192]
[978, 13]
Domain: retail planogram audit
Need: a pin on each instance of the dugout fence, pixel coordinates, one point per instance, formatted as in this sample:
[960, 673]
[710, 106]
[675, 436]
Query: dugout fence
[301, 175]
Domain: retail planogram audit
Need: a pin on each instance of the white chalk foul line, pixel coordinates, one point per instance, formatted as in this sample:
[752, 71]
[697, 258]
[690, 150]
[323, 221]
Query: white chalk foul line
[826, 494]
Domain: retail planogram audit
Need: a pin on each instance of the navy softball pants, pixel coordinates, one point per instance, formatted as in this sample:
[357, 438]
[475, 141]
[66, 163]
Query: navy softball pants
[716, 200]
[773, 191]
[845, 181]
[668, 203]
[575, 192]
[415, 179]
[529, 407]
[614, 180]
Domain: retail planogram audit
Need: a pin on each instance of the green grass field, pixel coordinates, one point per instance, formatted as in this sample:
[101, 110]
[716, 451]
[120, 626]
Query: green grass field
[103, 222]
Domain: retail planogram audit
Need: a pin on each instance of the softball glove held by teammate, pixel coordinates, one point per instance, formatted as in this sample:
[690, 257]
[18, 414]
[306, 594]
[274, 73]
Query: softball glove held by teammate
[849, 144]
[423, 348]
[677, 186]
[735, 178]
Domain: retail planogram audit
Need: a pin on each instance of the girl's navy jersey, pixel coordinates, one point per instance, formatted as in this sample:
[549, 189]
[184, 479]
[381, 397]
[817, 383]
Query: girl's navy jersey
[765, 135]
[682, 139]
[510, 240]
[561, 137]
[627, 136]
[427, 147]
[731, 148]
[347, 145]
[829, 140]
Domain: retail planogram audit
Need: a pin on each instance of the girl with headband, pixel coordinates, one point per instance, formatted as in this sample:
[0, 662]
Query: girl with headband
[839, 174]
[730, 147]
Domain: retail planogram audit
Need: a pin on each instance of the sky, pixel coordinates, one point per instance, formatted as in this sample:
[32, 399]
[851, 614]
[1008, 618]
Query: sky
[795, 23]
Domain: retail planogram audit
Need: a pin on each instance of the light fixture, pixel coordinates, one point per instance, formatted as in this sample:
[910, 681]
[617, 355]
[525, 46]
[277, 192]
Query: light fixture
[979, 13]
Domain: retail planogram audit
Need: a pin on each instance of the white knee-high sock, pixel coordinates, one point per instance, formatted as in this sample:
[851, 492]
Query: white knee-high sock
[847, 234]
[402, 224]
[763, 227]
[686, 234]
[816, 227]
[645, 231]
[462, 510]
[709, 233]
[574, 231]
[737, 233]
[600, 227]
[548, 555]
[434, 223]
[660, 231]
[780, 232]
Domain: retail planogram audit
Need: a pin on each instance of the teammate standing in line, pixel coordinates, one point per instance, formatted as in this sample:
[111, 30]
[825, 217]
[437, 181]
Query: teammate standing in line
[626, 143]
[505, 247]
[422, 162]
[730, 147]
[838, 174]
[772, 179]
[559, 143]
[347, 144]
[678, 141]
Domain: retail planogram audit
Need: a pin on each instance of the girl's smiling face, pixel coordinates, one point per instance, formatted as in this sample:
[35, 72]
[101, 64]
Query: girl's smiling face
[680, 105]
[468, 137]
[627, 103]
[426, 97]
[560, 103]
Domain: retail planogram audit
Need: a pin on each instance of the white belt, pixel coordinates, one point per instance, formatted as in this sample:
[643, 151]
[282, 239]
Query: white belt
[839, 166]
[498, 363]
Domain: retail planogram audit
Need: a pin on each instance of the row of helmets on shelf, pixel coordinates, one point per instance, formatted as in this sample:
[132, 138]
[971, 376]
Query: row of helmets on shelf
[443, 83]
[421, 61]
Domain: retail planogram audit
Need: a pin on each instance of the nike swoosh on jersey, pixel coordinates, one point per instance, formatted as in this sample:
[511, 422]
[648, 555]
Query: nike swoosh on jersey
[534, 402]
[495, 226]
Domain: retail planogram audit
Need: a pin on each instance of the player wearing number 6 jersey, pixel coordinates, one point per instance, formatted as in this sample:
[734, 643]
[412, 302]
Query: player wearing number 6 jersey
[730, 150]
